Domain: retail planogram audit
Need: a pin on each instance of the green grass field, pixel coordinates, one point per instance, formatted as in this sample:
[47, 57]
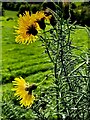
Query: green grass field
[28, 61]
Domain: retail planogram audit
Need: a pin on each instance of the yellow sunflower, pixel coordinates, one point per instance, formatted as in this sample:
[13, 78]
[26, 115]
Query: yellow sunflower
[41, 17]
[24, 91]
[28, 26]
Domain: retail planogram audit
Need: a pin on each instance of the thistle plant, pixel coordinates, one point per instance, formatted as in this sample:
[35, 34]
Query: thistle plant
[66, 97]
[88, 73]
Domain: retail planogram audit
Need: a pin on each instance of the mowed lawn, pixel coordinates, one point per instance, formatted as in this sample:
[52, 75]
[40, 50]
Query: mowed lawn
[29, 61]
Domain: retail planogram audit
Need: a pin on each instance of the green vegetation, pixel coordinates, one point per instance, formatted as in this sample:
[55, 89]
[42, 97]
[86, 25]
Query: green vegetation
[79, 11]
[29, 61]
[21, 60]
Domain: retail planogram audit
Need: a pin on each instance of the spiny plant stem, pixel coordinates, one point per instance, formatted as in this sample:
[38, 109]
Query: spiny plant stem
[57, 92]
[88, 67]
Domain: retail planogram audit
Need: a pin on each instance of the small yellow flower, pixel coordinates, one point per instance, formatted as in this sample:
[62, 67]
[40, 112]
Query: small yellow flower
[24, 91]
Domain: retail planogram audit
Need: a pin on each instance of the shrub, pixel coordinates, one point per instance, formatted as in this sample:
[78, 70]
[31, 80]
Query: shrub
[81, 14]
[50, 5]
[73, 6]
[35, 8]
[11, 5]
[1, 10]
[23, 8]
[85, 16]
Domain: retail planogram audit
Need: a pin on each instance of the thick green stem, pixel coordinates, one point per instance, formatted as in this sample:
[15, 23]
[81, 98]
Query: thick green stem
[49, 55]
[88, 69]
[88, 86]
[56, 76]
[57, 91]
[63, 66]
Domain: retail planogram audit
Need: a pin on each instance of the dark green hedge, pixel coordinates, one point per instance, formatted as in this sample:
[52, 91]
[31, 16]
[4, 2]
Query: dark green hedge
[80, 14]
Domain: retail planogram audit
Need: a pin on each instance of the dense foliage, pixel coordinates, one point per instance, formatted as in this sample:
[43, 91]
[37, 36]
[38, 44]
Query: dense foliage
[79, 13]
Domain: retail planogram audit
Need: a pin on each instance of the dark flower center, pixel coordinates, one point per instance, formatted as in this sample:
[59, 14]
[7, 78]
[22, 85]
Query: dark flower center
[30, 88]
[52, 21]
[32, 30]
[42, 23]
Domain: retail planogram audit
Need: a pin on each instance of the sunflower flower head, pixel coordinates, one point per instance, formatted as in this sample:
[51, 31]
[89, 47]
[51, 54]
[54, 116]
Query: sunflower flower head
[29, 26]
[41, 17]
[24, 91]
